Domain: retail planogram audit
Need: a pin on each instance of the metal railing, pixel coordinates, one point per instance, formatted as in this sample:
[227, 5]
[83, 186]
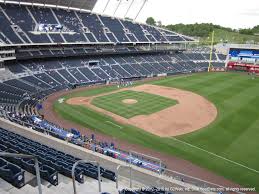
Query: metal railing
[74, 178]
[37, 169]
[117, 175]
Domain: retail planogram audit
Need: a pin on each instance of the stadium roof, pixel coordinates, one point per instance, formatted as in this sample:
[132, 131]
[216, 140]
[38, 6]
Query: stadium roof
[80, 4]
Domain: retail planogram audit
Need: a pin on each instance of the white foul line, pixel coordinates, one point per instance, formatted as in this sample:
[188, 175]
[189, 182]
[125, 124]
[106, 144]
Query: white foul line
[231, 161]
[114, 124]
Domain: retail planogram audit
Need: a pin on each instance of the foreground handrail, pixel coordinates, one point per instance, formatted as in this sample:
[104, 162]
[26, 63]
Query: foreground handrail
[37, 169]
[74, 178]
[117, 175]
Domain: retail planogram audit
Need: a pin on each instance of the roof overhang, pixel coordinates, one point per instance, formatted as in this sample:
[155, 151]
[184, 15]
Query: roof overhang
[80, 4]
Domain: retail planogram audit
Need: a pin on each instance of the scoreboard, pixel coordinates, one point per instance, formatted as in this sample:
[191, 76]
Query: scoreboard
[243, 60]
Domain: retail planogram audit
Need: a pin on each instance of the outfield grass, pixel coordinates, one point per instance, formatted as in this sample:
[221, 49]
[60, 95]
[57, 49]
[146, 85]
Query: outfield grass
[146, 103]
[234, 135]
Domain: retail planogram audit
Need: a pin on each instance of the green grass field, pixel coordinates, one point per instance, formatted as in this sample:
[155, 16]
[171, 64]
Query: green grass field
[234, 135]
[146, 103]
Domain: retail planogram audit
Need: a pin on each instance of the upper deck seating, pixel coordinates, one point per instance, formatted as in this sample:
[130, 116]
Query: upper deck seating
[115, 26]
[71, 23]
[20, 16]
[92, 22]
[27, 24]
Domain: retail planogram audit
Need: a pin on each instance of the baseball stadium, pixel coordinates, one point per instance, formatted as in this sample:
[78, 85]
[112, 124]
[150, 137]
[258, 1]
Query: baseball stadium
[93, 103]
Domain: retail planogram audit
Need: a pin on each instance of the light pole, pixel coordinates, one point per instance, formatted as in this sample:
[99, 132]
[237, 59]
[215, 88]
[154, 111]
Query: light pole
[106, 5]
[129, 8]
[144, 2]
[117, 7]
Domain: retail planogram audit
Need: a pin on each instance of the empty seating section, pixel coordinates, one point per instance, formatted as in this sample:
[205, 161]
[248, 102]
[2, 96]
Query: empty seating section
[91, 21]
[26, 24]
[108, 70]
[111, 37]
[132, 38]
[115, 26]
[141, 69]
[121, 71]
[207, 56]
[195, 56]
[64, 73]
[11, 89]
[21, 85]
[52, 64]
[11, 173]
[119, 60]
[48, 76]
[8, 31]
[16, 68]
[36, 82]
[174, 38]
[51, 162]
[78, 75]
[89, 74]
[100, 73]
[45, 16]
[44, 77]
[136, 30]
[156, 33]
[20, 16]
[133, 72]
[222, 57]
[71, 63]
[71, 24]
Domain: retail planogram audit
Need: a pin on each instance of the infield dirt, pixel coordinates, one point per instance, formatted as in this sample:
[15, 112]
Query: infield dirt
[192, 112]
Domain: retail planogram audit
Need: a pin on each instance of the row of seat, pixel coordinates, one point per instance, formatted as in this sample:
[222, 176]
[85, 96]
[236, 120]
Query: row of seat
[73, 26]
[52, 161]
[11, 173]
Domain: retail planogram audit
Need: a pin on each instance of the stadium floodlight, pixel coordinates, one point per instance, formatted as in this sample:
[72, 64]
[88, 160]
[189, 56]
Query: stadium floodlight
[106, 5]
[129, 8]
[144, 2]
[117, 7]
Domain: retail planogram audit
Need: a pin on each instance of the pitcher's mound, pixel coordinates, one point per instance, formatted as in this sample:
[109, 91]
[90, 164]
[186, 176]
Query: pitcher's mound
[129, 101]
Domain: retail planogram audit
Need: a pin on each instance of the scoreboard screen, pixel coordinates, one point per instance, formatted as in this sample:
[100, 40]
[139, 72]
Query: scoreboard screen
[243, 53]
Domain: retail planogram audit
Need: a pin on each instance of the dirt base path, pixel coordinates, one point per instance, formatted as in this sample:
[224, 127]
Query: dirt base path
[172, 162]
[192, 112]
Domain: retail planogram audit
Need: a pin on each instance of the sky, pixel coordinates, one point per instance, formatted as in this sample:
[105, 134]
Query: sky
[229, 13]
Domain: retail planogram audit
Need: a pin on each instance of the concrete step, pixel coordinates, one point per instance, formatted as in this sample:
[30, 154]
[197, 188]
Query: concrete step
[3, 191]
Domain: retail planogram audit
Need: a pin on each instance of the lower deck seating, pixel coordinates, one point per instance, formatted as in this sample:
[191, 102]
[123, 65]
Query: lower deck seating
[51, 161]
[59, 74]
[11, 173]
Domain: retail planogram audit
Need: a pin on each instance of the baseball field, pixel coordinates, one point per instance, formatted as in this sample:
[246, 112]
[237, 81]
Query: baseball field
[210, 119]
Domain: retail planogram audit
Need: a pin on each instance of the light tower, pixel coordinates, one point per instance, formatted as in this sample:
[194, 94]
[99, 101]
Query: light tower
[144, 2]
[129, 8]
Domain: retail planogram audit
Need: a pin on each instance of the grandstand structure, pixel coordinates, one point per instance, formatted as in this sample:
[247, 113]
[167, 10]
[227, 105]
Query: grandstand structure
[49, 46]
